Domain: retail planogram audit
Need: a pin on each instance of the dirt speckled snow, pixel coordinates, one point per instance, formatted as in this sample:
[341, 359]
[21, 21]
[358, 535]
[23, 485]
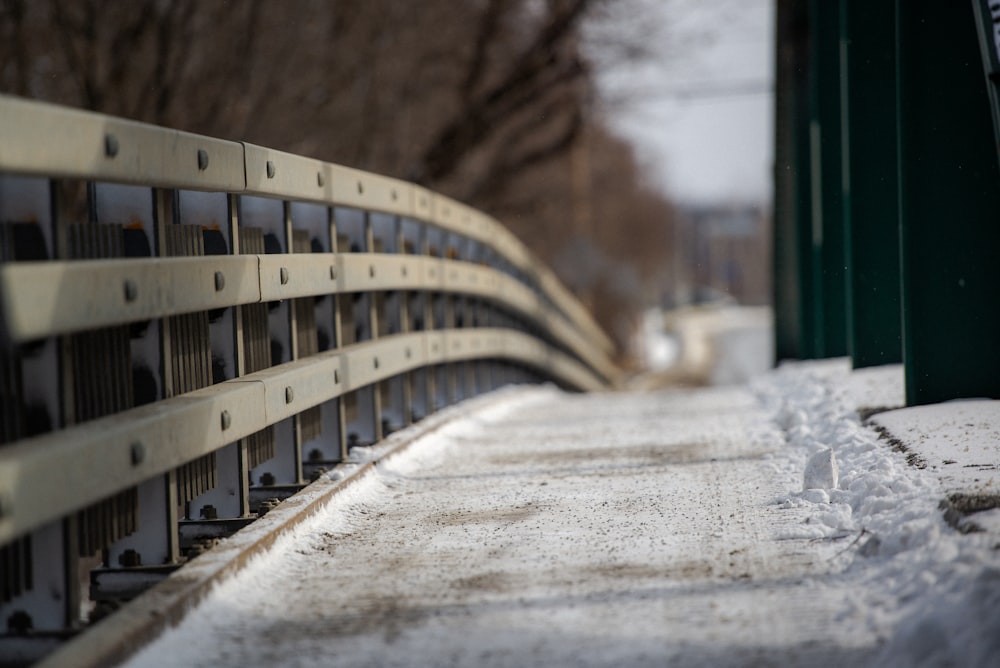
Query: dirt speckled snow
[638, 529]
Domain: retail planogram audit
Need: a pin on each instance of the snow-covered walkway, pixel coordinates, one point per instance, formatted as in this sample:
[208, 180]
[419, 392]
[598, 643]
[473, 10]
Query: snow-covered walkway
[631, 529]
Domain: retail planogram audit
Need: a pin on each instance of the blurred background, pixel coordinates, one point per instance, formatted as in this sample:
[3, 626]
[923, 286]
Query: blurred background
[627, 142]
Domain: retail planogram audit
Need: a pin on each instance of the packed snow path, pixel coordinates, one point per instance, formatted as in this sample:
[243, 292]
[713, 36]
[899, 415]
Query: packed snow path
[547, 529]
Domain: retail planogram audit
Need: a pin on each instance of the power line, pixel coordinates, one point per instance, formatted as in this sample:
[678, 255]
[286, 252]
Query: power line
[695, 93]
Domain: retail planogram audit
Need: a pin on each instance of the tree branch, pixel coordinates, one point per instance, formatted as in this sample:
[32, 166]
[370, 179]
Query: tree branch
[524, 81]
[489, 25]
[510, 163]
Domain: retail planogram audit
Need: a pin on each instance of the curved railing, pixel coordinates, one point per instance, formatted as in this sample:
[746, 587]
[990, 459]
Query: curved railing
[192, 328]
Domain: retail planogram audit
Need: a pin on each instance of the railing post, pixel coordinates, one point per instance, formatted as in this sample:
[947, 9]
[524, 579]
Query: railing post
[269, 220]
[339, 301]
[789, 107]
[374, 321]
[828, 251]
[871, 214]
[404, 382]
[241, 447]
[294, 343]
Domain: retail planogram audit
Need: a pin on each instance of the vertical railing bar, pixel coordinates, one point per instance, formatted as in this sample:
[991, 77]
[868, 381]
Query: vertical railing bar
[373, 324]
[430, 373]
[164, 215]
[338, 336]
[405, 379]
[65, 415]
[293, 333]
[239, 348]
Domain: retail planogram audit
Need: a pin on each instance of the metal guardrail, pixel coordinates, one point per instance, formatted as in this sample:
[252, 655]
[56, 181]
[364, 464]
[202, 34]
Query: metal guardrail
[192, 329]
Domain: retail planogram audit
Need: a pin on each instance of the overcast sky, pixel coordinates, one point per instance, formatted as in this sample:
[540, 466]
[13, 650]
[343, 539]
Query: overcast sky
[701, 111]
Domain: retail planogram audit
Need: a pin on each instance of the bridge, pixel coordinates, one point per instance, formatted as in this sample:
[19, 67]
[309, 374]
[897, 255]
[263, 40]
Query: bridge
[211, 349]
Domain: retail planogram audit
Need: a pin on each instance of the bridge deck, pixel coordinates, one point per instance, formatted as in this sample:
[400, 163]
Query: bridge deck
[550, 529]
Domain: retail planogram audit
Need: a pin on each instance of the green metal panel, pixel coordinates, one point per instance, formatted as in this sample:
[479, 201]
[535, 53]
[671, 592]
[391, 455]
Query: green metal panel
[810, 324]
[949, 206]
[792, 235]
[870, 213]
[828, 250]
[809, 293]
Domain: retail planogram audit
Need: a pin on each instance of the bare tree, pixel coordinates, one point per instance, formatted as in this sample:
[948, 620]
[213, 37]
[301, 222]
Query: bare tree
[490, 101]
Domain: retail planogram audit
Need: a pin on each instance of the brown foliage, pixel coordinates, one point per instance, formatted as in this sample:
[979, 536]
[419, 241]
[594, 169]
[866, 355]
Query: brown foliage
[486, 100]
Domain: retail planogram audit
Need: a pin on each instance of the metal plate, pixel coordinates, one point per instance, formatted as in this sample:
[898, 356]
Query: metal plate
[44, 478]
[47, 298]
[278, 174]
[42, 299]
[364, 190]
[44, 139]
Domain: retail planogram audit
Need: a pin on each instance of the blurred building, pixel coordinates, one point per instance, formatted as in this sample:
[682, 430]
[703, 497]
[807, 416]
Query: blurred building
[723, 253]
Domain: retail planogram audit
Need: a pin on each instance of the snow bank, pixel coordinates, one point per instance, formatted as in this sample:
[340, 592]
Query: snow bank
[934, 591]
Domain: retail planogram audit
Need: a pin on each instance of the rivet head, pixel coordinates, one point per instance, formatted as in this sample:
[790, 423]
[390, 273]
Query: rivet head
[220, 281]
[138, 453]
[131, 290]
[289, 395]
[226, 420]
[202, 159]
[110, 145]
[283, 275]
[270, 169]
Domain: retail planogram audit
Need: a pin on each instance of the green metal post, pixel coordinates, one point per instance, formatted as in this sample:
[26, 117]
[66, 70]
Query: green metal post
[810, 290]
[828, 250]
[870, 214]
[791, 182]
[949, 199]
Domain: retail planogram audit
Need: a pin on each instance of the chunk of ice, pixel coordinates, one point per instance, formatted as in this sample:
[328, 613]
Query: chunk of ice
[821, 471]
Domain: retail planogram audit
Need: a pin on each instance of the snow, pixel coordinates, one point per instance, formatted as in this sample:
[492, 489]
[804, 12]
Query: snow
[656, 349]
[960, 440]
[821, 473]
[713, 344]
[933, 589]
[644, 528]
